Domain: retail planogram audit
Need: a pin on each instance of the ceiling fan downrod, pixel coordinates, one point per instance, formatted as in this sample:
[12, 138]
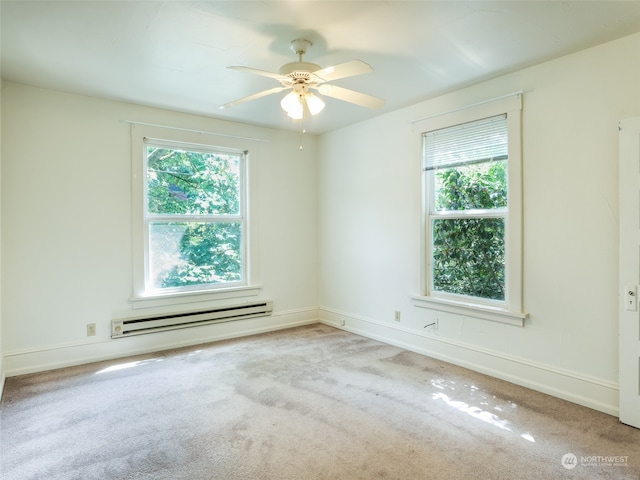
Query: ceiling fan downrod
[300, 47]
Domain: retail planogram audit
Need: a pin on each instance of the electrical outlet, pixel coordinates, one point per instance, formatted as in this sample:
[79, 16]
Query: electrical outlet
[397, 316]
[91, 329]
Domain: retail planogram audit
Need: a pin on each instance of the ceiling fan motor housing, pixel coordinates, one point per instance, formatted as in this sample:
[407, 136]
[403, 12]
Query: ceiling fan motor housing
[294, 67]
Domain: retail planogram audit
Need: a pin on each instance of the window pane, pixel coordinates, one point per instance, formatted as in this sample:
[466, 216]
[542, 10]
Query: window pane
[194, 253]
[468, 187]
[192, 183]
[468, 256]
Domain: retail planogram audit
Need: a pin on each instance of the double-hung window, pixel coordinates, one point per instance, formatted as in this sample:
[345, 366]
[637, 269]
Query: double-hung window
[191, 216]
[467, 169]
[195, 222]
[472, 213]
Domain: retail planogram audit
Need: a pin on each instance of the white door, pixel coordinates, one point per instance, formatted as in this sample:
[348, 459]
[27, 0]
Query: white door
[629, 318]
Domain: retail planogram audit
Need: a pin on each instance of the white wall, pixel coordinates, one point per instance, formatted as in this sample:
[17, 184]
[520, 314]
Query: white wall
[370, 213]
[66, 227]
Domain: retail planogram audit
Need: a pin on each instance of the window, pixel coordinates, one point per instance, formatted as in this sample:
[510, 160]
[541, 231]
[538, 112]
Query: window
[472, 239]
[467, 168]
[192, 223]
[194, 217]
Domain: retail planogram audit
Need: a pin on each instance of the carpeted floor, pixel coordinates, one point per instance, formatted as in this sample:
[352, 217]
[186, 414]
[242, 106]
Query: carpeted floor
[307, 403]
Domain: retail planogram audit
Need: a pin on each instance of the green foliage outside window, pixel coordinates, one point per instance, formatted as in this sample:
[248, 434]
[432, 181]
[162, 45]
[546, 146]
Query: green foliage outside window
[192, 183]
[199, 250]
[469, 253]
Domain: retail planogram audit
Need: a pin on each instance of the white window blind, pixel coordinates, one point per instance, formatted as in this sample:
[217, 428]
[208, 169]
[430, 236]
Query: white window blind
[467, 143]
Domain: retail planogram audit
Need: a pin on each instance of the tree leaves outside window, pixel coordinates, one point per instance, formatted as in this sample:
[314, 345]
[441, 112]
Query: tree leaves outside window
[206, 246]
[468, 250]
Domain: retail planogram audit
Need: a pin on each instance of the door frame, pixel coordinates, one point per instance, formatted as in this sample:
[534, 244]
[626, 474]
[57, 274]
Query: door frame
[629, 271]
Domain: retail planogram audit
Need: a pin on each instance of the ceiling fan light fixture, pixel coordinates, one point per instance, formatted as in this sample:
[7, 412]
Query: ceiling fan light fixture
[314, 103]
[292, 104]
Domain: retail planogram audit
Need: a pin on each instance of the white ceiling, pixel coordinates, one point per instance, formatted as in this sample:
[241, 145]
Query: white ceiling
[173, 54]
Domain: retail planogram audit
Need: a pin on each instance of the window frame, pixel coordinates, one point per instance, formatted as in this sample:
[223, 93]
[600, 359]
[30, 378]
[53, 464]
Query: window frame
[144, 296]
[509, 311]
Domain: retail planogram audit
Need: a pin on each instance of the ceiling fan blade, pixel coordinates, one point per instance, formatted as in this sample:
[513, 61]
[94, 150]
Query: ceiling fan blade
[255, 71]
[253, 97]
[350, 96]
[343, 70]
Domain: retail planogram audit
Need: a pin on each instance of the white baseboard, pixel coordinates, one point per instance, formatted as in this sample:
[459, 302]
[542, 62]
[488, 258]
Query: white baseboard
[588, 391]
[59, 356]
[2, 379]
[591, 392]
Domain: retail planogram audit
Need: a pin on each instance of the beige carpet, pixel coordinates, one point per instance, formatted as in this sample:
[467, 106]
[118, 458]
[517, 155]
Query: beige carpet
[307, 403]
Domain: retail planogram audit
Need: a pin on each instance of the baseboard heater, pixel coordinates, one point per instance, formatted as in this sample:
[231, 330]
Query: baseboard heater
[126, 327]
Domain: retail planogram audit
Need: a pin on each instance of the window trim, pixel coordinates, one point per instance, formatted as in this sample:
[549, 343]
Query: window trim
[511, 310]
[141, 297]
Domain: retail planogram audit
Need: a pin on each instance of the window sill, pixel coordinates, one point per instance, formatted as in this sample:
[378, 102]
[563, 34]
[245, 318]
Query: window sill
[470, 310]
[166, 299]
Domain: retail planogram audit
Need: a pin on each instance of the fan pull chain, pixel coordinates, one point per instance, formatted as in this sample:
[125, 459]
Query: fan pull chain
[302, 132]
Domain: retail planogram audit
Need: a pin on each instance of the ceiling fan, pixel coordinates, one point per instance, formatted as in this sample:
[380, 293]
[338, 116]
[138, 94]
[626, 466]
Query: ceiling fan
[302, 77]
